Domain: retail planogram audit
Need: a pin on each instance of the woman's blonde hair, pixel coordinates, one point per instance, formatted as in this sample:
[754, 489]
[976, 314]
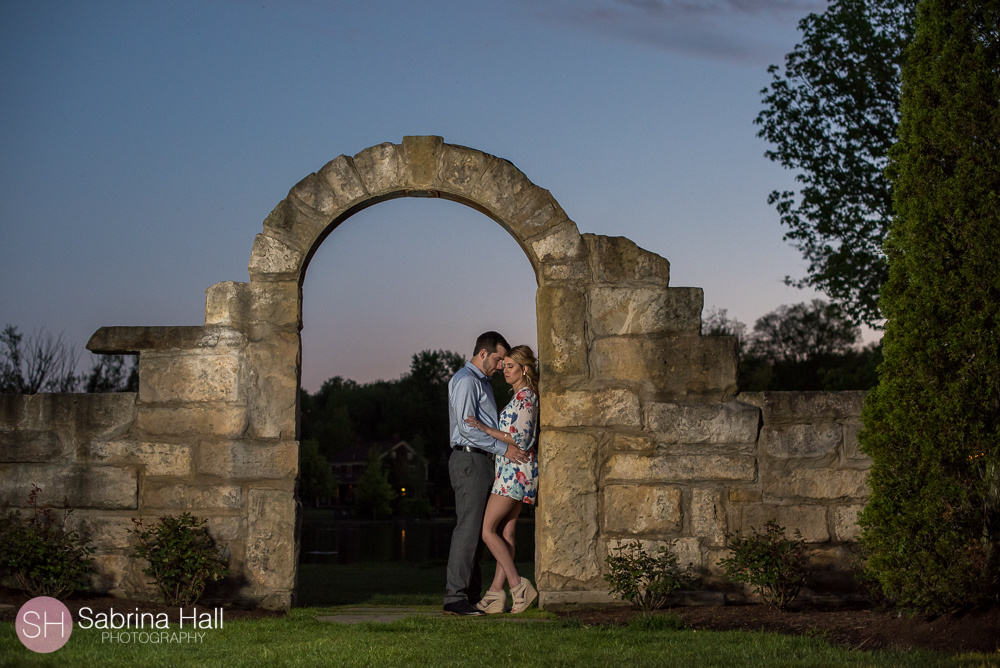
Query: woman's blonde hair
[524, 356]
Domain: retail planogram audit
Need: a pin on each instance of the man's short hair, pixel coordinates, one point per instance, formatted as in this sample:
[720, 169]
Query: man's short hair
[489, 341]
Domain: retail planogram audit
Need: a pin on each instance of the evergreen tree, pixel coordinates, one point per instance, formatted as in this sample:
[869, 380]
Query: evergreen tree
[932, 425]
[316, 478]
[374, 493]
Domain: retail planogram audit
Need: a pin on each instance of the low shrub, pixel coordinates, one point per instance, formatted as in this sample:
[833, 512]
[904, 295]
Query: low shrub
[39, 553]
[775, 566]
[644, 579]
[182, 557]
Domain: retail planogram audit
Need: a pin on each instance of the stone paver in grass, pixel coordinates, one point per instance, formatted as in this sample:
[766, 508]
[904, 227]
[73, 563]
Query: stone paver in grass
[356, 615]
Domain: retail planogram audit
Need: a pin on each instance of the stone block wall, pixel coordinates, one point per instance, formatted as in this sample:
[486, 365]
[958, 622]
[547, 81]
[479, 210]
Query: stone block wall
[691, 473]
[75, 447]
[191, 440]
[642, 434]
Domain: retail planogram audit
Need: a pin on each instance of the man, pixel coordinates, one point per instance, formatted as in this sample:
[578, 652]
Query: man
[471, 469]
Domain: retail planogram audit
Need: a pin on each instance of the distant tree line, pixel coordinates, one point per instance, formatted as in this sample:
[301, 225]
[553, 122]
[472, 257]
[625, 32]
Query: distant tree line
[801, 347]
[43, 362]
[413, 408]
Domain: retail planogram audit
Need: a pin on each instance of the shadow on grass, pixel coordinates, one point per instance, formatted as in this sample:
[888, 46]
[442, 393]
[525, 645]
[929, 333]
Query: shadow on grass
[390, 583]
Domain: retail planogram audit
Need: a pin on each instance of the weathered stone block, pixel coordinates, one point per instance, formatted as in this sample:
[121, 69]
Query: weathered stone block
[112, 570]
[272, 260]
[623, 310]
[675, 368]
[561, 244]
[67, 416]
[689, 553]
[185, 496]
[572, 271]
[271, 538]
[378, 167]
[567, 523]
[633, 443]
[225, 528]
[711, 558]
[810, 520]
[503, 189]
[234, 459]
[845, 522]
[273, 385]
[460, 168]
[345, 182]
[124, 579]
[105, 532]
[103, 487]
[190, 378]
[132, 340]
[574, 598]
[155, 459]
[708, 516]
[278, 304]
[30, 445]
[687, 550]
[851, 451]
[224, 421]
[567, 537]
[730, 423]
[602, 408]
[805, 441]
[830, 572]
[315, 192]
[676, 468]
[566, 462]
[617, 260]
[816, 484]
[539, 212]
[799, 407]
[745, 495]
[294, 223]
[99, 416]
[420, 155]
[642, 509]
[562, 313]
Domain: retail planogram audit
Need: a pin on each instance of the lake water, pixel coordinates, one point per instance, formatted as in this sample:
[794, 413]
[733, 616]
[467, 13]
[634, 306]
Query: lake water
[326, 541]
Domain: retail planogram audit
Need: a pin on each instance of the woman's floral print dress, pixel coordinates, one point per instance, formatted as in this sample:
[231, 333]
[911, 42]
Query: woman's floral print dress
[519, 418]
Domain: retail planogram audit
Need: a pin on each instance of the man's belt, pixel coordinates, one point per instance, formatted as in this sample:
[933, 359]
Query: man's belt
[468, 448]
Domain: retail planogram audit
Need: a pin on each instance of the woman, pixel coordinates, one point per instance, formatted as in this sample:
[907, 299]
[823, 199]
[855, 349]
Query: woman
[514, 484]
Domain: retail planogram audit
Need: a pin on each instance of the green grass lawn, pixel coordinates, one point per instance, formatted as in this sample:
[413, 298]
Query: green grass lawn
[300, 640]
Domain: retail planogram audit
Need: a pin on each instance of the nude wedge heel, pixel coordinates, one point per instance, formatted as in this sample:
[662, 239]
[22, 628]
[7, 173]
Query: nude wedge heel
[524, 595]
[493, 602]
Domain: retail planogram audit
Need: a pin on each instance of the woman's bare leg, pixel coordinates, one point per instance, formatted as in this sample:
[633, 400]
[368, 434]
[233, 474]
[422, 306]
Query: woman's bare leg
[498, 509]
[505, 529]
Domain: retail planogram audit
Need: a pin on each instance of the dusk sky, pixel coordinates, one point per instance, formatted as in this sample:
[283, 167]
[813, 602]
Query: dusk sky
[143, 144]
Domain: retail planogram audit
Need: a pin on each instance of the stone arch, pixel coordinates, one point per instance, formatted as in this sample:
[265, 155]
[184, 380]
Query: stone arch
[615, 345]
[419, 167]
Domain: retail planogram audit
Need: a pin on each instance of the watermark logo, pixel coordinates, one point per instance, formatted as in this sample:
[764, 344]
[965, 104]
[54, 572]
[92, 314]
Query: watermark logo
[43, 624]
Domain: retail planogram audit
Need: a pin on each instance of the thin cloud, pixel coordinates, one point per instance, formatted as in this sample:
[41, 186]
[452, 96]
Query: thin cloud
[726, 29]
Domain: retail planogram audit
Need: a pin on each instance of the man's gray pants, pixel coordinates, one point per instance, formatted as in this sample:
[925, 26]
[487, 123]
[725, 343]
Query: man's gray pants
[472, 477]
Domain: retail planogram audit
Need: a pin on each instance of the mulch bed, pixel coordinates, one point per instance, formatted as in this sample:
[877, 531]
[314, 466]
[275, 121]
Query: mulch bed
[861, 628]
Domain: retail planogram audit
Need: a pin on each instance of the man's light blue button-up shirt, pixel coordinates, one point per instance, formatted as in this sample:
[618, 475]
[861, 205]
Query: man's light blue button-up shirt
[469, 393]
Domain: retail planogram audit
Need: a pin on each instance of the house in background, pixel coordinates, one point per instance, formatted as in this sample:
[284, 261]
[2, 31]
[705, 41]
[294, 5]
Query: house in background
[407, 469]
